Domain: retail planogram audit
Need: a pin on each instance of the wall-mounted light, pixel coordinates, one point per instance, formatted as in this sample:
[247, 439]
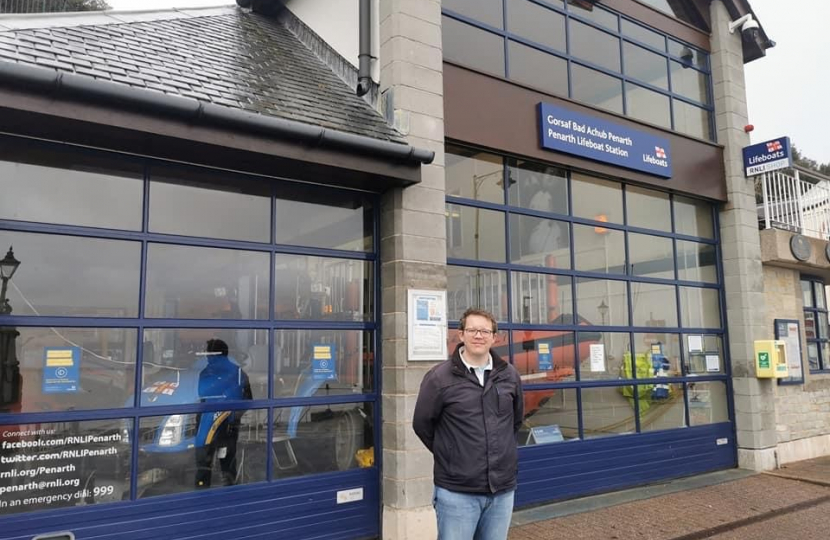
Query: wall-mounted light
[603, 218]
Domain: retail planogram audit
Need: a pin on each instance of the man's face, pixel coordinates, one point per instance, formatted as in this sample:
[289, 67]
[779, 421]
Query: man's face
[477, 342]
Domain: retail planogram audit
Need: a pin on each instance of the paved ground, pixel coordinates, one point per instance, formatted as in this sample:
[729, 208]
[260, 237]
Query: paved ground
[790, 503]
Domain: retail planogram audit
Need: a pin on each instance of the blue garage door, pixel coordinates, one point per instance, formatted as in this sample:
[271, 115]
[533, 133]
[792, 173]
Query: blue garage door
[609, 296]
[186, 353]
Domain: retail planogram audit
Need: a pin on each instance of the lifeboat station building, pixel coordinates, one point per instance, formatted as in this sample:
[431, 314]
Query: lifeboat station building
[236, 238]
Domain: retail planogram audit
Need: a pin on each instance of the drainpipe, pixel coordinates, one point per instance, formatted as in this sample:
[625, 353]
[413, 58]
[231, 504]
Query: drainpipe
[364, 70]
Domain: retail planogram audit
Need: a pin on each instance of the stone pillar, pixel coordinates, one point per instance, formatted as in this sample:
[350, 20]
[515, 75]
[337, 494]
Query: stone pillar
[413, 253]
[741, 249]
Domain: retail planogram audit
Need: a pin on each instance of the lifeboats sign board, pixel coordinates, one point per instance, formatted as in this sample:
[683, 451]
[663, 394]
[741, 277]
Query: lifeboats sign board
[768, 156]
[571, 132]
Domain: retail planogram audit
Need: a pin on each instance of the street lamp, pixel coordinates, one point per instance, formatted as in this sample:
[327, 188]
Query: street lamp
[8, 266]
[10, 379]
[603, 311]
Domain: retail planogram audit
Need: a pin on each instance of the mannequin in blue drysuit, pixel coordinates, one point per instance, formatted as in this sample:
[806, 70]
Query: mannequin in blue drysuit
[221, 379]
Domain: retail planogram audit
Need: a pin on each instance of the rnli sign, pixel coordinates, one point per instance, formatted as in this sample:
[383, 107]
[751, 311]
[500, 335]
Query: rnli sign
[768, 156]
[571, 132]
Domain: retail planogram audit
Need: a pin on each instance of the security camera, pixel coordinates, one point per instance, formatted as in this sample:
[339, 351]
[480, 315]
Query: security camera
[750, 29]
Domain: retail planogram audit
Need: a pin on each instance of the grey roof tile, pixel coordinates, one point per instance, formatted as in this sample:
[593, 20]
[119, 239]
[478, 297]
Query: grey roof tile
[75, 61]
[92, 72]
[129, 80]
[55, 64]
[233, 58]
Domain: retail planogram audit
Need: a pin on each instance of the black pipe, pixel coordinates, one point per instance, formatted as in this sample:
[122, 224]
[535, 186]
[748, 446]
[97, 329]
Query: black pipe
[364, 70]
[78, 87]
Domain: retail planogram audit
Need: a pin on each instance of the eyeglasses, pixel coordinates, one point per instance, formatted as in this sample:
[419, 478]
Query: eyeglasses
[475, 331]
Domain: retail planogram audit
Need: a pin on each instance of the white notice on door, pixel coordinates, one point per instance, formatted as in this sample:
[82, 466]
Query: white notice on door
[597, 357]
[695, 343]
[350, 495]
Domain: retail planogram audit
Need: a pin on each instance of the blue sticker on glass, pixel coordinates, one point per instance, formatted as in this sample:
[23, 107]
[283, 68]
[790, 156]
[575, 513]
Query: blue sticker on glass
[544, 351]
[61, 369]
[323, 363]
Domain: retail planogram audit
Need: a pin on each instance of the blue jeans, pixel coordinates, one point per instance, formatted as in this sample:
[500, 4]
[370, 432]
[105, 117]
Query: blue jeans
[472, 516]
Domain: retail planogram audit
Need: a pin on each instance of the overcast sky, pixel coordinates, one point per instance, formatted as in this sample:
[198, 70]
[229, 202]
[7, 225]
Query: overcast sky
[788, 91]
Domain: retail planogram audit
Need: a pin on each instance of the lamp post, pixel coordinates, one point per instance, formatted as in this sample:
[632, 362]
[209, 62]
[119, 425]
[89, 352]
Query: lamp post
[8, 266]
[10, 379]
[603, 310]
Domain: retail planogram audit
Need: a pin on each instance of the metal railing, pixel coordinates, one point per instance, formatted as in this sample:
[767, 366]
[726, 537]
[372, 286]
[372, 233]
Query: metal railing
[791, 203]
[49, 6]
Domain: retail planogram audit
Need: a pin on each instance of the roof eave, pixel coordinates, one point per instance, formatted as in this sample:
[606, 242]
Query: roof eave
[60, 85]
[755, 48]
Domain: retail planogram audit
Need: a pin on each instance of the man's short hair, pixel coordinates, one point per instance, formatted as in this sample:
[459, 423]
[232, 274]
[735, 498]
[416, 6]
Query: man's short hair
[481, 313]
[217, 345]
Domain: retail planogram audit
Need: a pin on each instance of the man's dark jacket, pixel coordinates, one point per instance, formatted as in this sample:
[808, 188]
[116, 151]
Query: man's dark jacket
[471, 430]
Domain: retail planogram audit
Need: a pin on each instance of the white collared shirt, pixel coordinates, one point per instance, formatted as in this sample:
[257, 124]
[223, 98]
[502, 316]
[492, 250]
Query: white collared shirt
[478, 370]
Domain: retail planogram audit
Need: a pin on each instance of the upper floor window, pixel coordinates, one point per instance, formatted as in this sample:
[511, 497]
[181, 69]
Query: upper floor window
[587, 53]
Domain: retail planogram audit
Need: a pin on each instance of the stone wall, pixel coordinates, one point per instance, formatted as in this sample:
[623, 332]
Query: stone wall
[413, 252]
[802, 412]
[741, 249]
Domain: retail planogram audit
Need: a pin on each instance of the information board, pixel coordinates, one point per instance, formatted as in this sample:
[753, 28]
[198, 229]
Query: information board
[789, 331]
[427, 324]
[47, 466]
[545, 434]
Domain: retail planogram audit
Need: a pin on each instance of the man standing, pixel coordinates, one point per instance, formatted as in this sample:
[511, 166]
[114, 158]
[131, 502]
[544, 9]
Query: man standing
[468, 414]
[220, 379]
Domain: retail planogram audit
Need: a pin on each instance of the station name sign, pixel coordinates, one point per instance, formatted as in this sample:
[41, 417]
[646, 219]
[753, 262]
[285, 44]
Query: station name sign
[564, 130]
[768, 156]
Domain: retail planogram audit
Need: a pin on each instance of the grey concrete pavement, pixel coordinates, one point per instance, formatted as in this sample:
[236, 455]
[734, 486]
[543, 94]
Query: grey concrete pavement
[791, 502]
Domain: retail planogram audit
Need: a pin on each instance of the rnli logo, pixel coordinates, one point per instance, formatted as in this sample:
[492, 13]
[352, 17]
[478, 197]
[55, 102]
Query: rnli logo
[659, 157]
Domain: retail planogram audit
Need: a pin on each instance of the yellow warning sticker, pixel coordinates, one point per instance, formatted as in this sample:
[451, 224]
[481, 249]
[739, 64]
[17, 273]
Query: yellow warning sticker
[59, 358]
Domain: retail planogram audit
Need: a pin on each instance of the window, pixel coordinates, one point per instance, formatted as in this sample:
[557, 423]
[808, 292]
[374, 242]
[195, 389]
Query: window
[646, 66]
[538, 69]
[68, 188]
[249, 202]
[592, 45]
[593, 55]
[596, 88]
[486, 56]
[815, 323]
[536, 23]
[487, 11]
[73, 276]
[601, 276]
[115, 303]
